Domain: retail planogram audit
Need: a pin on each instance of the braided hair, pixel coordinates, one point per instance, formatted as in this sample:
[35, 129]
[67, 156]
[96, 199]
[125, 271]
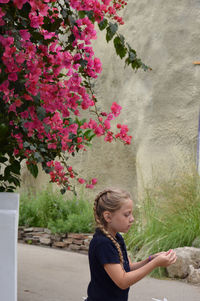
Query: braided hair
[109, 200]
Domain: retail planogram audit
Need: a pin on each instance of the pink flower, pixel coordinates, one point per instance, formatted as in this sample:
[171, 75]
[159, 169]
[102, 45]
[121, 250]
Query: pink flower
[16, 152]
[106, 2]
[24, 115]
[1, 15]
[97, 65]
[25, 34]
[115, 108]
[13, 77]
[90, 186]
[109, 137]
[81, 180]
[94, 181]
[4, 1]
[4, 86]
[19, 3]
[18, 103]
[99, 130]
[36, 21]
[79, 139]
[107, 124]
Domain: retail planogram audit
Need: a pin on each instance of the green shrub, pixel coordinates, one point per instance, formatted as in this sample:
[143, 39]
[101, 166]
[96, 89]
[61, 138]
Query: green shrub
[51, 210]
[167, 218]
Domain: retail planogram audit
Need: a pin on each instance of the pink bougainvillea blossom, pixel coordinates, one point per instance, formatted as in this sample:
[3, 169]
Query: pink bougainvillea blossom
[45, 87]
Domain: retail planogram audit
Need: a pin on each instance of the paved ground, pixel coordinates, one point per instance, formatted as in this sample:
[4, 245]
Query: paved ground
[46, 274]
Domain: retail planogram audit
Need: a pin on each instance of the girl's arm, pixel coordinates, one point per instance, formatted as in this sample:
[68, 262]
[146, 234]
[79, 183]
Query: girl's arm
[125, 279]
[136, 265]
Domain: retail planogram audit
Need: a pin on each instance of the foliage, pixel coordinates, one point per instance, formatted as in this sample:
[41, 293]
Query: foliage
[167, 218]
[47, 72]
[51, 210]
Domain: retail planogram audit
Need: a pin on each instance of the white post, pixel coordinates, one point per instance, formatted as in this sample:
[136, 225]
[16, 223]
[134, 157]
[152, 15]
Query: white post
[9, 208]
[198, 147]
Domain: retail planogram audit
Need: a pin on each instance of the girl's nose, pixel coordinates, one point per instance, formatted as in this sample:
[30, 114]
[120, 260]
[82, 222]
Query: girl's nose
[132, 219]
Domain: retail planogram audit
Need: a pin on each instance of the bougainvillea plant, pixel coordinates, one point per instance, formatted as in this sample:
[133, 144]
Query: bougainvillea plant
[47, 72]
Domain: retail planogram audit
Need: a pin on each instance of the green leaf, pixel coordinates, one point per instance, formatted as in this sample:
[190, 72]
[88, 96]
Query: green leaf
[38, 157]
[7, 171]
[103, 24]
[41, 113]
[120, 48]
[15, 181]
[90, 15]
[111, 31]
[83, 63]
[26, 144]
[33, 169]
[81, 14]
[63, 190]
[3, 159]
[89, 134]
[72, 21]
[15, 167]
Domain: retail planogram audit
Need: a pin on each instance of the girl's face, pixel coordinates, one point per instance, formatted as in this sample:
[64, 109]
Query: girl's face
[122, 219]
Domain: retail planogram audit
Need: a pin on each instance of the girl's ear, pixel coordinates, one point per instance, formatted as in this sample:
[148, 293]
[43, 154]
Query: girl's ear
[107, 216]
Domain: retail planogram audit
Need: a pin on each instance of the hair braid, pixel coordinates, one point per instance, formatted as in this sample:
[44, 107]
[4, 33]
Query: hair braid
[109, 199]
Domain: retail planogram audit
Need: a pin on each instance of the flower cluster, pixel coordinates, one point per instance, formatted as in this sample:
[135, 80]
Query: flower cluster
[101, 8]
[46, 61]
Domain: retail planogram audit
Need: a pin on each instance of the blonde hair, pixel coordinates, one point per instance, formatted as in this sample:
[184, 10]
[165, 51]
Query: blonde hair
[110, 199]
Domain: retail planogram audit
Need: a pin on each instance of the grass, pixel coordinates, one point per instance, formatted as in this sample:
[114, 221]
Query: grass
[51, 210]
[167, 218]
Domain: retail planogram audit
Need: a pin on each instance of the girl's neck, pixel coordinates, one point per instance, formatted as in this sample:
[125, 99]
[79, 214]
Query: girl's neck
[112, 232]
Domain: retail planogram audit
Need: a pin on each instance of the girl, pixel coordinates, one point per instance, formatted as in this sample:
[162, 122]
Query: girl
[112, 272]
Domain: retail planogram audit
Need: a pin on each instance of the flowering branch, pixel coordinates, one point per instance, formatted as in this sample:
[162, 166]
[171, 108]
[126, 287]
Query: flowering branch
[47, 63]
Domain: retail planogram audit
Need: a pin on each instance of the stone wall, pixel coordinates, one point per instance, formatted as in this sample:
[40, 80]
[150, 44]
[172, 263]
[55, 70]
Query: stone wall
[44, 237]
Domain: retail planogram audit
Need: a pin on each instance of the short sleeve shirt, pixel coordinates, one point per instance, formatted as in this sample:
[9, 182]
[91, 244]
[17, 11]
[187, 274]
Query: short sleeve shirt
[101, 251]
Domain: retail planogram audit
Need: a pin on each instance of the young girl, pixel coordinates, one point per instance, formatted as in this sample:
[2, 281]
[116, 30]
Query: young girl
[112, 272]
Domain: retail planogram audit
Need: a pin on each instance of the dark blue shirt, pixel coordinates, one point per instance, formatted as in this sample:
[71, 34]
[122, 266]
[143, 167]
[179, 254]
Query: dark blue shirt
[101, 251]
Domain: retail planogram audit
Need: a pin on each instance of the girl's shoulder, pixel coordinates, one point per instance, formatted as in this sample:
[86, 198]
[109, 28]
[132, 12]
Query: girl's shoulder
[100, 238]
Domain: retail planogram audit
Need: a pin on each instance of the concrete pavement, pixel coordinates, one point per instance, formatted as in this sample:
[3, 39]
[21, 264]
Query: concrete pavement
[46, 274]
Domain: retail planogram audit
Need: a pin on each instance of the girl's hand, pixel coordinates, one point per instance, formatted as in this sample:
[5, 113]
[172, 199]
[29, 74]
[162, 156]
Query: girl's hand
[156, 255]
[164, 259]
[160, 253]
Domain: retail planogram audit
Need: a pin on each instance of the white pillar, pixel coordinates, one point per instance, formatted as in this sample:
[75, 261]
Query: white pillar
[198, 147]
[9, 208]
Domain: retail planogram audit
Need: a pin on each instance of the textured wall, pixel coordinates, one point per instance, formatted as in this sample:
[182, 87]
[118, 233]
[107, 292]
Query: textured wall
[160, 107]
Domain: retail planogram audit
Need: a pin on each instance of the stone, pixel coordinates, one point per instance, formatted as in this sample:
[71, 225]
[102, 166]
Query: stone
[21, 228]
[87, 242]
[47, 231]
[56, 237]
[74, 247]
[194, 275]
[186, 256]
[38, 229]
[84, 248]
[76, 236]
[28, 230]
[196, 242]
[77, 241]
[45, 241]
[68, 241]
[28, 240]
[59, 244]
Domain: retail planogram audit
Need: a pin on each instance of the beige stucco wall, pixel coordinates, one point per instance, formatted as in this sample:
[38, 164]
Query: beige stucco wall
[160, 107]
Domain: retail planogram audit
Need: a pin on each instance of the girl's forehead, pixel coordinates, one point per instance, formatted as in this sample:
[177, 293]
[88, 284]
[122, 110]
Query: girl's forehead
[126, 204]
